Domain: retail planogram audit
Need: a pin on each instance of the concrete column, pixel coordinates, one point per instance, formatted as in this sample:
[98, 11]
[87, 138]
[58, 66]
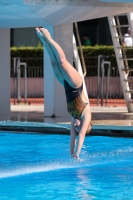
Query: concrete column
[55, 100]
[48, 81]
[63, 36]
[4, 74]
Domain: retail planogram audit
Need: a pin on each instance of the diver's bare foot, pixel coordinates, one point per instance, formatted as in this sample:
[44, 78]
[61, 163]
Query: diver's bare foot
[45, 33]
[40, 35]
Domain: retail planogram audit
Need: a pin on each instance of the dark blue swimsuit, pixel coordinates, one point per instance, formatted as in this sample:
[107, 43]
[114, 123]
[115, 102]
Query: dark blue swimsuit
[75, 105]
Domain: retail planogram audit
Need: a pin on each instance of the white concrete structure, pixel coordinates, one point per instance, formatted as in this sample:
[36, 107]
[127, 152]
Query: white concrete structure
[30, 13]
[58, 16]
[53, 91]
[4, 74]
[117, 1]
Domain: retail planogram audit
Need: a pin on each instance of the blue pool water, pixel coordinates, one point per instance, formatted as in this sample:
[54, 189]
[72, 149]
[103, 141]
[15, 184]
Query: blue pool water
[35, 166]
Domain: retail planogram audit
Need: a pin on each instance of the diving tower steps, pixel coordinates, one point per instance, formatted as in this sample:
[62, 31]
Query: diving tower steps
[129, 80]
[121, 26]
[129, 91]
[127, 70]
[121, 47]
[123, 61]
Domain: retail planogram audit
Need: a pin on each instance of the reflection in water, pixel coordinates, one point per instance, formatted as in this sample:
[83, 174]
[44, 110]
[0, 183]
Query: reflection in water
[83, 185]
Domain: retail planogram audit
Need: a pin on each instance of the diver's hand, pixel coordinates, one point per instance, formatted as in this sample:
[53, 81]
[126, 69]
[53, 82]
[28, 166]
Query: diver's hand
[75, 155]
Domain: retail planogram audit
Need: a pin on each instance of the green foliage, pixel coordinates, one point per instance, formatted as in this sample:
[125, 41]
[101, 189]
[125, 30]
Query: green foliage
[91, 54]
[34, 55]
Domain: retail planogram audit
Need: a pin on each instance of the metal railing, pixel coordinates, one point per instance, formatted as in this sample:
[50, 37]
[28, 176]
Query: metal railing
[103, 86]
[17, 68]
[27, 83]
[101, 65]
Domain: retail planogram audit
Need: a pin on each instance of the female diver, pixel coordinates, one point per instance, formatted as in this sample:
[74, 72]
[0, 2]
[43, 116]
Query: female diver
[77, 104]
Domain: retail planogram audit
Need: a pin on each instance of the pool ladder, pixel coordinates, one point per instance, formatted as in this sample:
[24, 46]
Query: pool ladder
[121, 54]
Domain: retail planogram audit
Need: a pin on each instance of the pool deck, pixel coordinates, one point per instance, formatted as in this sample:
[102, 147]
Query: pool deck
[111, 121]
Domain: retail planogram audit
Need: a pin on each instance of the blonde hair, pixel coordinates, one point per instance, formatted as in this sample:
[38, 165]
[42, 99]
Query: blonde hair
[89, 128]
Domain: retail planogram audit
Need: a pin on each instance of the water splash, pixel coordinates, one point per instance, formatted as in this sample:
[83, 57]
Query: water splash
[38, 169]
[87, 161]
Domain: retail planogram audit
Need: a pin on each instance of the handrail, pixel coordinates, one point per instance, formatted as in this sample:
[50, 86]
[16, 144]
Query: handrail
[17, 71]
[81, 52]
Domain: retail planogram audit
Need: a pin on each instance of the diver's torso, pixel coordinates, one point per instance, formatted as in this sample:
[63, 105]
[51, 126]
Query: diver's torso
[75, 104]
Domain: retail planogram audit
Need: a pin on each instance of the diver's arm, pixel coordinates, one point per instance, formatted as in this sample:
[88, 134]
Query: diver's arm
[72, 138]
[81, 137]
[86, 119]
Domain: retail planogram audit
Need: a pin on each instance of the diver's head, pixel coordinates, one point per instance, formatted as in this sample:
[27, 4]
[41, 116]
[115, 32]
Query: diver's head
[78, 125]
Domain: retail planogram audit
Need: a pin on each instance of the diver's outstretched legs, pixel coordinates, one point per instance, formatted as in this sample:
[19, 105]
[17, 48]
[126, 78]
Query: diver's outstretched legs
[69, 73]
[57, 72]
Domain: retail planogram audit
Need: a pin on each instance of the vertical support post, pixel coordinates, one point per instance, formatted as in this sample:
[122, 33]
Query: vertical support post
[100, 59]
[18, 81]
[102, 88]
[63, 36]
[5, 74]
[102, 80]
[107, 92]
[54, 95]
[25, 83]
[16, 60]
[17, 70]
[48, 81]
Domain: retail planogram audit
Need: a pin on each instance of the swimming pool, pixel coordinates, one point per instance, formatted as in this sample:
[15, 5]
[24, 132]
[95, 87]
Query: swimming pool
[37, 166]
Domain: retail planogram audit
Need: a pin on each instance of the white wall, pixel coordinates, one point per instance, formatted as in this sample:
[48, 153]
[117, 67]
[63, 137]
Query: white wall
[55, 100]
[63, 36]
[4, 74]
[48, 81]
